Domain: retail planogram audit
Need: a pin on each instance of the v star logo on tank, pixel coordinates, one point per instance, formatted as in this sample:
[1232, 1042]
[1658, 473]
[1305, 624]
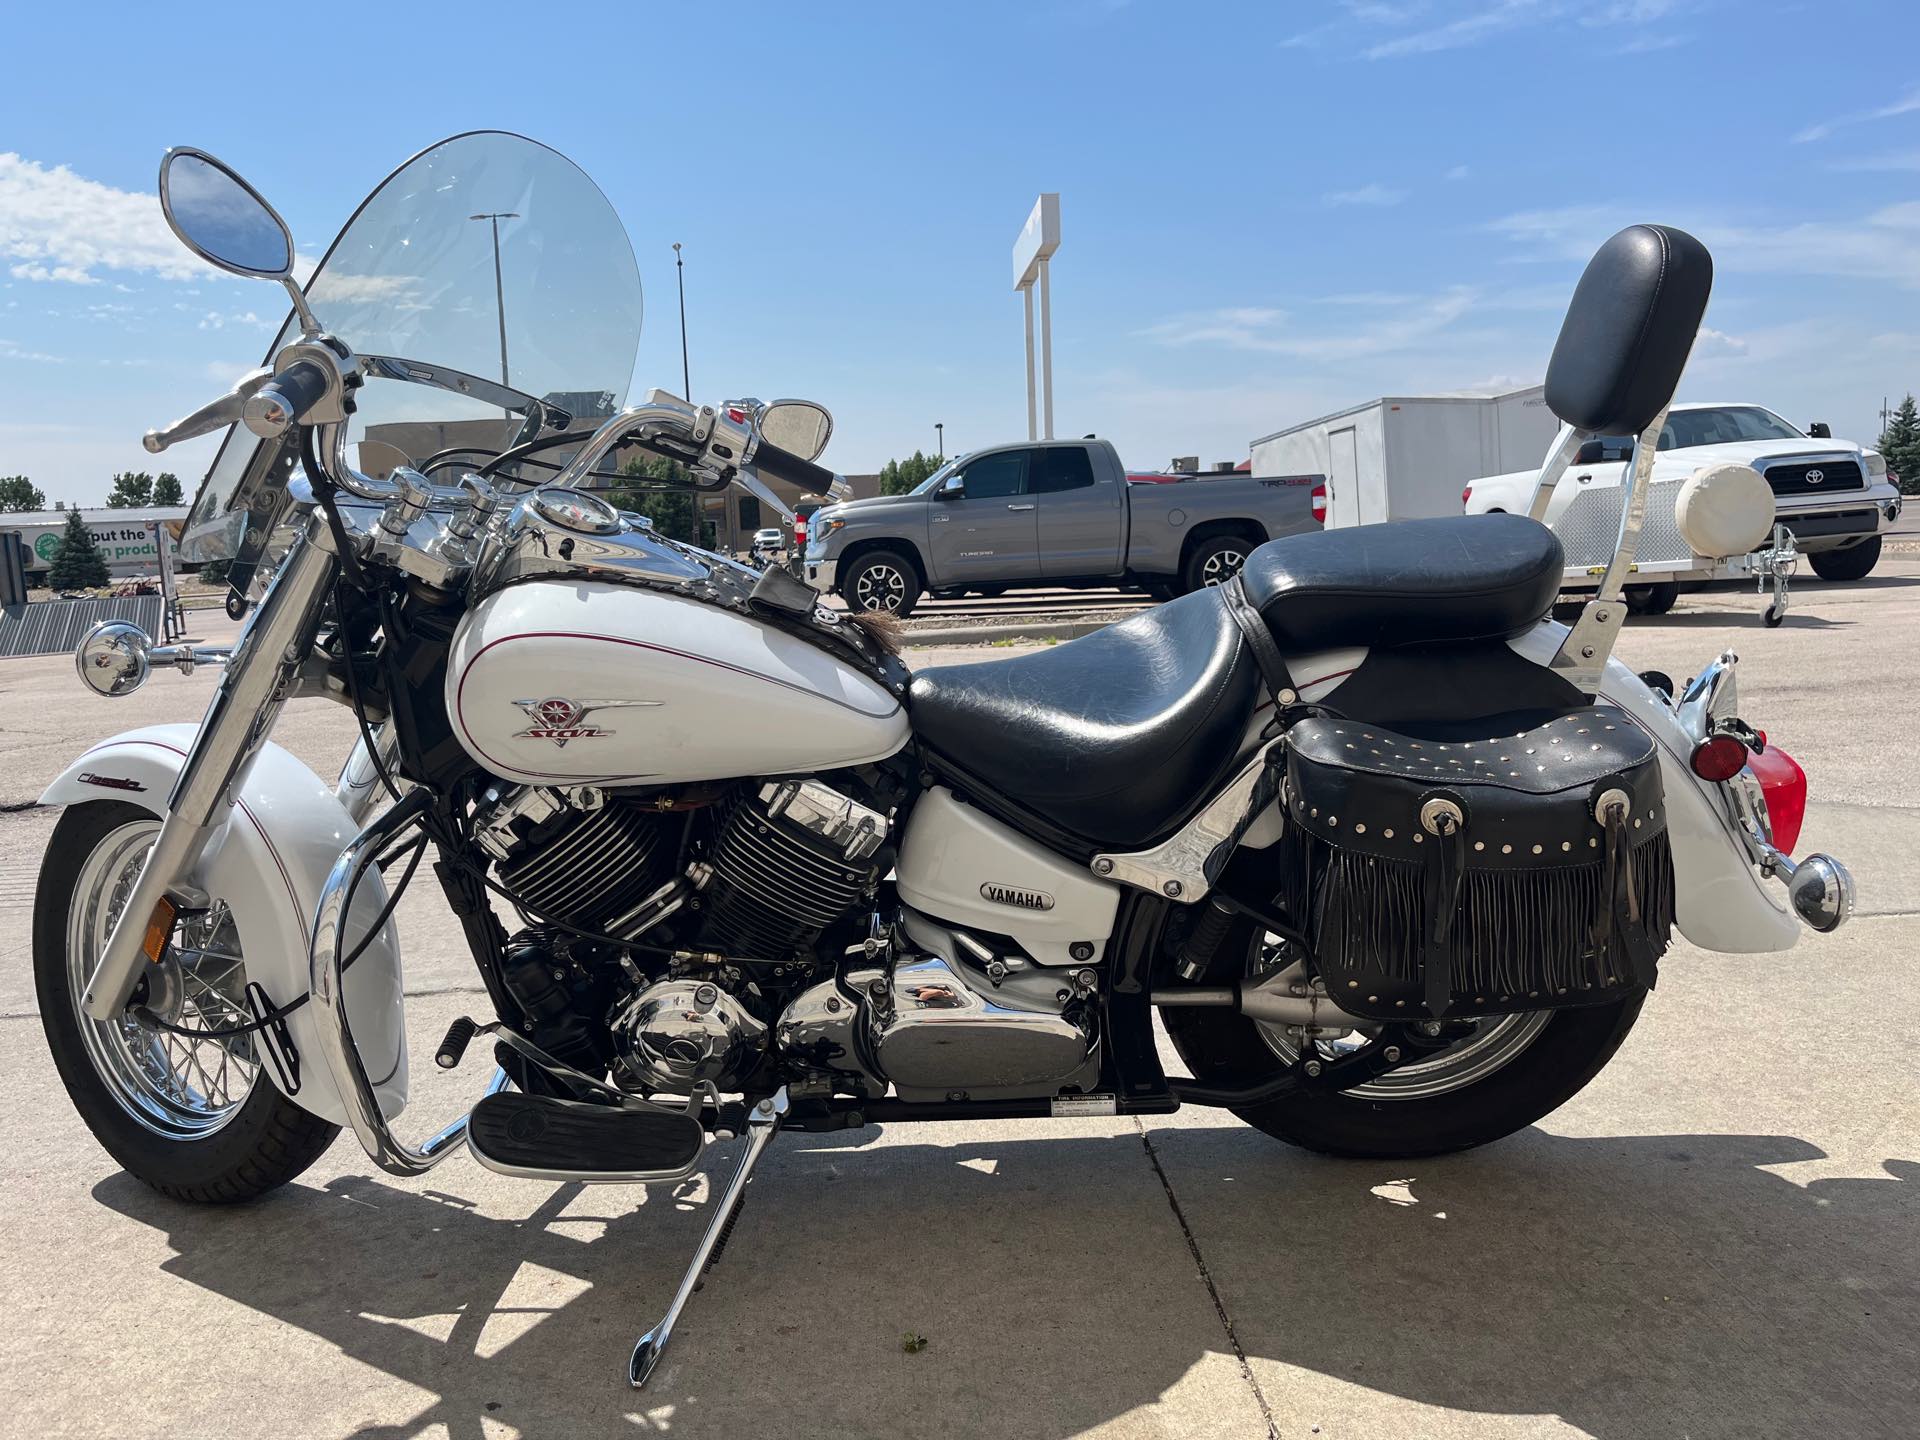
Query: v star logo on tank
[561, 720]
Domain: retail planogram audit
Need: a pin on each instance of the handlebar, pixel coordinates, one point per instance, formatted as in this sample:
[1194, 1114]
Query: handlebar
[285, 399]
[785, 465]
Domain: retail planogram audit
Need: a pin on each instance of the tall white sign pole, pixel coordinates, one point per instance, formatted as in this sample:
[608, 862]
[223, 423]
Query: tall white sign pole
[1034, 247]
[1033, 431]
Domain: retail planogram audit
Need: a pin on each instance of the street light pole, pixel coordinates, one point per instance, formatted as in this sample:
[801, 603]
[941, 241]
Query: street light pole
[493, 218]
[940, 440]
[680, 275]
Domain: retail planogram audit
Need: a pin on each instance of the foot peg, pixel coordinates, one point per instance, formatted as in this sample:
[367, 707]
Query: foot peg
[539, 1137]
[762, 1121]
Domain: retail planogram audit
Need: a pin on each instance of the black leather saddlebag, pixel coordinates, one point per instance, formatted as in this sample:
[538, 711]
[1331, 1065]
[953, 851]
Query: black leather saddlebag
[1488, 876]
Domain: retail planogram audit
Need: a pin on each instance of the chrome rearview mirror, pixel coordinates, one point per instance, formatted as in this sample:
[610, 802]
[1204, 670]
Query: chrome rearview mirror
[798, 427]
[221, 218]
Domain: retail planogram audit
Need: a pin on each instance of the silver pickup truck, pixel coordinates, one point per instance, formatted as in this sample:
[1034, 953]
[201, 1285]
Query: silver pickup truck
[1052, 513]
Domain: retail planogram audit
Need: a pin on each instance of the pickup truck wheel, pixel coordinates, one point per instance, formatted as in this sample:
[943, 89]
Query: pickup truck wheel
[1652, 599]
[1852, 563]
[883, 581]
[1216, 561]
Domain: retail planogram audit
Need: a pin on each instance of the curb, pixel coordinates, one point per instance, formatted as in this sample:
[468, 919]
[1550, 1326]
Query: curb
[1030, 630]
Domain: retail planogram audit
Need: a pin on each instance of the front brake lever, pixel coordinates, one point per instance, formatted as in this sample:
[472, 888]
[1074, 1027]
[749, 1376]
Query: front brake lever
[212, 416]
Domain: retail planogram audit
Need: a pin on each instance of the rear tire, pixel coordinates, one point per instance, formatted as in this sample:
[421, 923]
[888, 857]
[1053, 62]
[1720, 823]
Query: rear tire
[1855, 562]
[1223, 1047]
[1215, 561]
[884, 581]
[215, 1154]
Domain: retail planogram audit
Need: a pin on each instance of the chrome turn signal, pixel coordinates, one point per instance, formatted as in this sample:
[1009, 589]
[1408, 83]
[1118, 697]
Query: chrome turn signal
[1820, 889]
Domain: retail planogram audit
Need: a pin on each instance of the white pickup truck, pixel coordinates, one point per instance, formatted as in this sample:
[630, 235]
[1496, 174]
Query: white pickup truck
[1832, 494]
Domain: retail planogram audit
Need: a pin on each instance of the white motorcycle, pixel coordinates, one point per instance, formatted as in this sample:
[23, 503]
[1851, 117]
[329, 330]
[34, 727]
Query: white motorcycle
[1393, 856]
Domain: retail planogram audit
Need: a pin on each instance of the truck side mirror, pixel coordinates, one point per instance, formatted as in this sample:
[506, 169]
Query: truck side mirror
[953, 489]
[1591, 452]
[1629, 330]
[1820, 430]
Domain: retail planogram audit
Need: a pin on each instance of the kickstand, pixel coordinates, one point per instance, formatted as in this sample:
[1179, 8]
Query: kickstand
[762, 1121]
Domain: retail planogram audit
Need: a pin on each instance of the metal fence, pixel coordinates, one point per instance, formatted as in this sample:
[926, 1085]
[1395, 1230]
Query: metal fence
[47, 627]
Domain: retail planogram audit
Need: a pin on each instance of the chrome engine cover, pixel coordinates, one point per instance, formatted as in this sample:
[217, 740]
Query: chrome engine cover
[679, 1034]
[943, 1026]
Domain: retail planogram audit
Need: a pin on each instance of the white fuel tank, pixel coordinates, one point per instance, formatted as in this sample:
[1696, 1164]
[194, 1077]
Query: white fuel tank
[565, 682]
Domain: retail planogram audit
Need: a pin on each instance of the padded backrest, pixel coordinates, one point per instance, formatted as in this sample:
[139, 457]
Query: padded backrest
[1629, 330]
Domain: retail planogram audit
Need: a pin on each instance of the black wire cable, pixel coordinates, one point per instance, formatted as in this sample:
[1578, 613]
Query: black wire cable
[353, 692]
[280, 1012]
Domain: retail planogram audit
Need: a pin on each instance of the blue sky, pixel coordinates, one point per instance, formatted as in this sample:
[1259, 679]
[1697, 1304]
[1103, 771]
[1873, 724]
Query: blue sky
[1269, 211]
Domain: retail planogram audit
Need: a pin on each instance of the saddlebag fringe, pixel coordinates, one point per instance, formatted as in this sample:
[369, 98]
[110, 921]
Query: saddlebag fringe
[1431, 885]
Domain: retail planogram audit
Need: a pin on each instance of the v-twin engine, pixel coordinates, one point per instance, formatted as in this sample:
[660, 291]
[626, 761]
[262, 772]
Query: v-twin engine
[952, 1018]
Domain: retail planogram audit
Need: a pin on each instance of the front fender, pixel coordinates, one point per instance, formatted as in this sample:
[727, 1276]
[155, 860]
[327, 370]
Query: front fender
[268, 863]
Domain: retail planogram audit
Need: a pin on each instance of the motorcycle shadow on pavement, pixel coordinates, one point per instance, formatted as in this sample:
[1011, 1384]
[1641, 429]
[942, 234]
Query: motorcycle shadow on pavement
[1631, 1285]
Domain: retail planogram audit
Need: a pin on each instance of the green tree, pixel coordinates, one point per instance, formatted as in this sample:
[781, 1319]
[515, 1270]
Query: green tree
[897, 477]
[131, 489]
[1900, 443]
[166, 490]
[77, 561]
[18, 493]
[673, 511]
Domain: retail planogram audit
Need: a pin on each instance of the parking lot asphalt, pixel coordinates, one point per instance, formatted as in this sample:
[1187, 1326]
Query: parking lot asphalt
[1716, 1238]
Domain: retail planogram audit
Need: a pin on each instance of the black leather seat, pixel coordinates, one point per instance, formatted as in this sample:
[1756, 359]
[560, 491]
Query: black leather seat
[1458, 578]
[1115, 737]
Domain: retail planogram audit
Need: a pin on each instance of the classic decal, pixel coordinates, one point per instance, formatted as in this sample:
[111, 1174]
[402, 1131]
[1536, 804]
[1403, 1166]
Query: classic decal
[109, 782]
[1016, 896]
[561, 720]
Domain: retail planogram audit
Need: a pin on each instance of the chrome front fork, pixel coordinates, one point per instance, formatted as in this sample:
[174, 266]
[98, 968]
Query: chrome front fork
[258, 677]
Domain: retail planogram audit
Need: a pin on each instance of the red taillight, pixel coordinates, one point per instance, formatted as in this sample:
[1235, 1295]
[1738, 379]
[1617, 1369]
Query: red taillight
[1465, 496]
[1719, 758]
[1784, 784]
[1318, 495]
[799, 529]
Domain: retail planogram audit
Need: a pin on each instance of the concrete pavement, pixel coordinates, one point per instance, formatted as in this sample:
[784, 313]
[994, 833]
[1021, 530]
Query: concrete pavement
[1716, 1238]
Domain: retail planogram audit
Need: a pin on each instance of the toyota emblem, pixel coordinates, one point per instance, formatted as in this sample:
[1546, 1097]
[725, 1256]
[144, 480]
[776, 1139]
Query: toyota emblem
[1815, 477]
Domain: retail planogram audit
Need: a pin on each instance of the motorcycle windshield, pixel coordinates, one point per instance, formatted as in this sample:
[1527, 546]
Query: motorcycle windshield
[487, 254]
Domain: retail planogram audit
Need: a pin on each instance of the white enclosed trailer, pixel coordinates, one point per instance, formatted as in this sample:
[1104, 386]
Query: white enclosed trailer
[1408, 457]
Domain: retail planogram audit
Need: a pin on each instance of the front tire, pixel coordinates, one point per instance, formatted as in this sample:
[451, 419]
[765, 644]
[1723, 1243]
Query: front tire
[883, 581]
[1855, 562]
[1525, 1067]
[196, 1120]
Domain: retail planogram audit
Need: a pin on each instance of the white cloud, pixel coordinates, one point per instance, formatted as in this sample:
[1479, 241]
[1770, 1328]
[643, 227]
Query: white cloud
[1458, 172]
[1274, 332]
[1710, 342]
[1883, 246]
[61, 227]
[1651, 44]
[1466, 30]
[12, 350]
[214, 320]
[1504, 16]
[1887, 160]
[1905, 105]
[1373, 194]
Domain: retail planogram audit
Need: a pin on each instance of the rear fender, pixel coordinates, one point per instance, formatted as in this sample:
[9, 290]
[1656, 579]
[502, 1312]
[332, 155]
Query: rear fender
[268, 862]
